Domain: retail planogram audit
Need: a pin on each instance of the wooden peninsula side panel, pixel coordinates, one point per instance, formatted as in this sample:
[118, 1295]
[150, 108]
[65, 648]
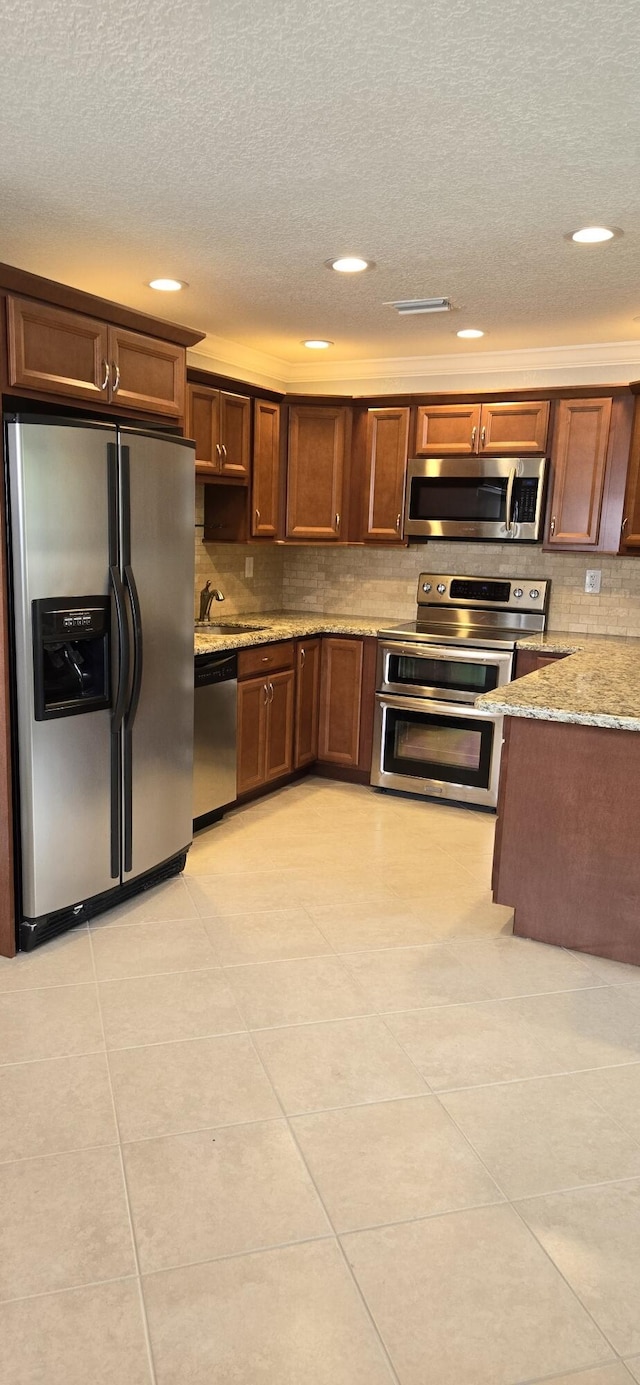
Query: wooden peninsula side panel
[567, 855]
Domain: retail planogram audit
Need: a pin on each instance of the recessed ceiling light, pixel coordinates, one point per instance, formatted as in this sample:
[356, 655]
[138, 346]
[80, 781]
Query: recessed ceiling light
[349, 264]
[593, 235]
[317, 343]
[470, 332]
[167, 285]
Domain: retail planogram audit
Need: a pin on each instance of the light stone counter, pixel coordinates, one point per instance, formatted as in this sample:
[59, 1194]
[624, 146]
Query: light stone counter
[598, 684]
[284, 625]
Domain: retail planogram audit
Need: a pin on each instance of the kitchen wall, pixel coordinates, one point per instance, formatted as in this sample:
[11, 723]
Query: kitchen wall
[379, 582]
[383, 582]
[224, 565]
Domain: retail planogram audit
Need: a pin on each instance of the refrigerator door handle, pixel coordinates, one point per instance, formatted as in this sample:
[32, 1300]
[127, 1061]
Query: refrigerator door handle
[137, 645]
[124, 658]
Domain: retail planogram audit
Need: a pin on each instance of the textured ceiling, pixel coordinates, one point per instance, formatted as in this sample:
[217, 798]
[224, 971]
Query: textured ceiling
[238, 144]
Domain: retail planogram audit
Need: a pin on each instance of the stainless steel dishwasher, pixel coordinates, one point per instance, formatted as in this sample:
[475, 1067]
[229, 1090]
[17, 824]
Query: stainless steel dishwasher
[214, 749]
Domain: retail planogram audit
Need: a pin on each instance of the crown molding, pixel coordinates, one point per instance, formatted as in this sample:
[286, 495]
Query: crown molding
[614, 362]
[605, 356]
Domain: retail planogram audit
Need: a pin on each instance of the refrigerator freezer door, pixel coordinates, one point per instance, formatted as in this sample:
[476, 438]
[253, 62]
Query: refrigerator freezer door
[59, 531]
[158, 747]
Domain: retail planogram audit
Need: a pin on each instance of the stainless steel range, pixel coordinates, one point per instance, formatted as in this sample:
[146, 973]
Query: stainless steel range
[428, 736]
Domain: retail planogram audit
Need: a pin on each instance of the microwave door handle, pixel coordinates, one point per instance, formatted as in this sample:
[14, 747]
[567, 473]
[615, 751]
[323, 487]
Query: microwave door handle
[508, 521]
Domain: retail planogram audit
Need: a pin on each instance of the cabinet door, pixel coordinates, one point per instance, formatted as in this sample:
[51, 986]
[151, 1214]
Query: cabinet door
[252, 733]
[235, 423]
[279, 750]
[203, 425]
[630, 531]
[266, 469]
[57, 352]
[514, 429]
[315, 472]
[387, 442]
[579, 455]
[307, 702]
[340, 701]
[529, 661]
[447, 429]
[147, 373]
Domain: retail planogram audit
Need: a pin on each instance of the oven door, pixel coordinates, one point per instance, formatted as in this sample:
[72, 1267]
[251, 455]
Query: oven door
[475, 498]
[434, 748]
[448, 672]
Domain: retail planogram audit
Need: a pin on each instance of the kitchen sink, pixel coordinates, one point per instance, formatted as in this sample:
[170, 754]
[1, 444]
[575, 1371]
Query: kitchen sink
[226, 629]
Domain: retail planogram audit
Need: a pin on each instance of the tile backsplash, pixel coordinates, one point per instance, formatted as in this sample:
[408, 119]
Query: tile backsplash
[375, 581]
[383, 582]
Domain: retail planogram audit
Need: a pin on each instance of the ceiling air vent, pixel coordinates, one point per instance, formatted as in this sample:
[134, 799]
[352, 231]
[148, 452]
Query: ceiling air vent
[408, 306]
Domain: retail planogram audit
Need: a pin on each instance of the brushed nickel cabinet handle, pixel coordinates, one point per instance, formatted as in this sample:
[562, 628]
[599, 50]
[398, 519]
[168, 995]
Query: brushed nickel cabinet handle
[337, 521]
[219, 451]
[257, 518]
[265, 689]
[553, 527]
[483, 436]
[224, 451]
[474, 432]
[398, 521]
[116, 370]
[303, 655]
[624, 524]
[105, 367]
[271, 692]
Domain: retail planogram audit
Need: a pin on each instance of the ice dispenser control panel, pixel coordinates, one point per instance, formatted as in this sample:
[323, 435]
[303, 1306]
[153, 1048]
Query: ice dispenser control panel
[71, 655]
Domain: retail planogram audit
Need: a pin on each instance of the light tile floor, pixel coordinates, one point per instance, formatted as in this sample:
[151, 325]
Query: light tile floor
[312, 1114]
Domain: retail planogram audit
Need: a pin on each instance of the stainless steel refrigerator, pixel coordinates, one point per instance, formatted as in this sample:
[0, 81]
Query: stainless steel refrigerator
[102, 555]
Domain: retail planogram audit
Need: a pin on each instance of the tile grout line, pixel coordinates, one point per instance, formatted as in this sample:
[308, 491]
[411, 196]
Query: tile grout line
[125, 1188]
[385, 1353]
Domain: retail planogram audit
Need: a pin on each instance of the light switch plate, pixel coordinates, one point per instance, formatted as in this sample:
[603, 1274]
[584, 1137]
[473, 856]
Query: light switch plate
[593, 578]
[248, 567]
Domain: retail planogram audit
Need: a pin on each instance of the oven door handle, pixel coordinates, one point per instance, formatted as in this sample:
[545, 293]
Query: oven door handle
[448, 653]
[430, 707]
[509, 505]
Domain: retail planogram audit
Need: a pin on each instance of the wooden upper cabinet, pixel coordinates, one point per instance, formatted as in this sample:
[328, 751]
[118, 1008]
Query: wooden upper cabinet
[630, 531]
[387, 443]
[340, 701]
[307, 702]
[203, 425]
[445, 430]
[235, 427]
[315, 472]
[579, 454]
[514, 429]
[220, 424]
[147, 373]
[266, 469]
[500, 429]
[58, 352]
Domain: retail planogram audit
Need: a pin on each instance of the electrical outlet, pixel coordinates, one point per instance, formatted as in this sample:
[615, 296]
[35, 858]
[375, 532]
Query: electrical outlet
[248, 567]
[592, 580]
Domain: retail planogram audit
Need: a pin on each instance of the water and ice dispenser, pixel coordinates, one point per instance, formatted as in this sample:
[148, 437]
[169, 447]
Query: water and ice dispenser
[71, 656]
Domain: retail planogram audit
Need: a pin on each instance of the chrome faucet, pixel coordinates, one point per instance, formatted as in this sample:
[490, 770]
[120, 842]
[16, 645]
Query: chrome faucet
[207, 596]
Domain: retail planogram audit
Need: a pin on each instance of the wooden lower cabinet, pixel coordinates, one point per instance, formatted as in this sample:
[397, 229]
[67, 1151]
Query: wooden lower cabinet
[340, 701]
[279, 734]
[307, 702]
[265, 729]
[529, 661]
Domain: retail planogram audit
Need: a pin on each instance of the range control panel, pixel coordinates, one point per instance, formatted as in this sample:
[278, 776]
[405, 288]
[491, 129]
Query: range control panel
[491, 593]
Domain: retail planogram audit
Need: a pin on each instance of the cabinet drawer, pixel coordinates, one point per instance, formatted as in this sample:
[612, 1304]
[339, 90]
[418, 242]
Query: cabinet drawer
[264, 658]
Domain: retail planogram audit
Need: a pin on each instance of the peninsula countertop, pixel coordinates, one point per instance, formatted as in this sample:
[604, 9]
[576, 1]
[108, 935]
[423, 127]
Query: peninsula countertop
[597, 685]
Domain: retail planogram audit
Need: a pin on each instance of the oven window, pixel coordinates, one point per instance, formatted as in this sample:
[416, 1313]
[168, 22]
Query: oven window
[428, 745]
[452, 675]
[459, 497]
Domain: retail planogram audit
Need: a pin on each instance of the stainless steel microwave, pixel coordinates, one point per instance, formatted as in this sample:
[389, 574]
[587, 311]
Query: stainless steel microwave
[495, 498]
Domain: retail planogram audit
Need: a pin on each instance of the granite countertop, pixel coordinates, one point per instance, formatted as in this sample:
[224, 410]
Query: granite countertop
[597, 685]
[284, 625]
